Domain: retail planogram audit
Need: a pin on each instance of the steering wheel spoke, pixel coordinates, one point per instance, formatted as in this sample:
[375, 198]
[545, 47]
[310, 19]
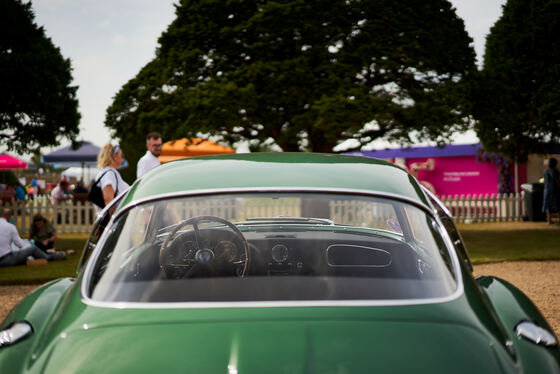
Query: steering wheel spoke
[197, 237]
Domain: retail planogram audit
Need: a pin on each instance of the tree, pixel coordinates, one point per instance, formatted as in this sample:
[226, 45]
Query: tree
[37, 104]
[518, 96]
[307, 74]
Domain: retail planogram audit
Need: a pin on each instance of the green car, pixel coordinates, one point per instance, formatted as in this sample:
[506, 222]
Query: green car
[277, 263]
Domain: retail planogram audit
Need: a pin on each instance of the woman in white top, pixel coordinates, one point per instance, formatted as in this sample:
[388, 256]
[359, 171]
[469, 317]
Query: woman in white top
[108, 160]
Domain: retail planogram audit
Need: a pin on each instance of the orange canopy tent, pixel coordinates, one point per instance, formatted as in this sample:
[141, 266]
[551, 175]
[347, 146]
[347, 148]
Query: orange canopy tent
[183, 148]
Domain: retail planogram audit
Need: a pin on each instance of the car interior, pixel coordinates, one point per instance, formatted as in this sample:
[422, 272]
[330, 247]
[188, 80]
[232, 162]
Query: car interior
[210, 249]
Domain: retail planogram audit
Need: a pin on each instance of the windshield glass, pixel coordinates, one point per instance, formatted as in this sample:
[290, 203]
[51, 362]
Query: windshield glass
[272, 247]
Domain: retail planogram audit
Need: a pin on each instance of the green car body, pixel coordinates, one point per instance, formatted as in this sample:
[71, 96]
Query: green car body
[471, 330]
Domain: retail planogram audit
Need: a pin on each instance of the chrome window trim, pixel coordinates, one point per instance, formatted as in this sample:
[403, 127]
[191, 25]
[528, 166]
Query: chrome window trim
[357, 266]
[440, 204]
[86, 279]
[447, 212]
[272, 304]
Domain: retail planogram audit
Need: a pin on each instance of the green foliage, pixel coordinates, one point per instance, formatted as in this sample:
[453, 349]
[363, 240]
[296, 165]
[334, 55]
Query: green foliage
[518, 96]
[307, 74]
[8, 177]
[37, 103]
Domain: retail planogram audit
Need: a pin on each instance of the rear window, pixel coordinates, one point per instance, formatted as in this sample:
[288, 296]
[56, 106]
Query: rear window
[262, 247]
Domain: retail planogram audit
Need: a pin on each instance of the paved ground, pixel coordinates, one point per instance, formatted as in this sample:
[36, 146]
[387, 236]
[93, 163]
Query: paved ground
[540, 280]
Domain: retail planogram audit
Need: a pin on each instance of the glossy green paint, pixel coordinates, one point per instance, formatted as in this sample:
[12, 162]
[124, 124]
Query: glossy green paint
[324, 346]
[469, 334]
[87, 339]
[282, 170]
[512, 307]
[47, 297]
[37, 308]
[459, 336]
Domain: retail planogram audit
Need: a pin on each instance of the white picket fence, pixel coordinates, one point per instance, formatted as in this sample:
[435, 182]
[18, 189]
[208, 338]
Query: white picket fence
[485, 208]
[68, 217]
[78, 217]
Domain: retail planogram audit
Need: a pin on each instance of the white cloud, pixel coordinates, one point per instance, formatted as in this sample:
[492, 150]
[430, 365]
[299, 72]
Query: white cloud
[120, 40]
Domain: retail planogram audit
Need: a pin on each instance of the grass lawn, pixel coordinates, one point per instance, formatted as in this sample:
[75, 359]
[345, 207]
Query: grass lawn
[53, 270]
[486, 242]
[513, 241]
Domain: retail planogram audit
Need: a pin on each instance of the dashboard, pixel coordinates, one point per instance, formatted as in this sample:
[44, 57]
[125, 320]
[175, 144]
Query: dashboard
[277, 253]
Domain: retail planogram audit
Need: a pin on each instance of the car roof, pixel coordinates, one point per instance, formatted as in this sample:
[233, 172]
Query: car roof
[280, 170]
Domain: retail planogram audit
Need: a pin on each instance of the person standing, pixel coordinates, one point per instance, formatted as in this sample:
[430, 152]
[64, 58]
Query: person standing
[9, 195]
[33, 189]
[20, 192]
[551, 201]
[9, 235]
[80, 188]
[150, 159]
[110, 158]
[60, 193]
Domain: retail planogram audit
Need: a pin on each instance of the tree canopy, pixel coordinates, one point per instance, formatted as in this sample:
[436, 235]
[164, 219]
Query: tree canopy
[38, 105]
[518, 95]
[308, 74]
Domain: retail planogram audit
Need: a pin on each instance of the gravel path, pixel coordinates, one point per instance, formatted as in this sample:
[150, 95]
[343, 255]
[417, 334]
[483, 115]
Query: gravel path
[9, 297]
[540, 280]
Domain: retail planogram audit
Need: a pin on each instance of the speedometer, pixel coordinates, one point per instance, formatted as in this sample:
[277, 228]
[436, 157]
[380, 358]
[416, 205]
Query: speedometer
[279, 253]
[226, 250]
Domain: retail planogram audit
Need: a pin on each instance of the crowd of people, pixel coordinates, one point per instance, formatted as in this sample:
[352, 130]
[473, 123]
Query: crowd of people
[40, 247]
[16, 192]
[42, 234]
[109, 160]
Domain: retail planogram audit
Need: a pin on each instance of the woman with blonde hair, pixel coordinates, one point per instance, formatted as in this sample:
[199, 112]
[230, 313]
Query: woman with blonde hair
[110, 158]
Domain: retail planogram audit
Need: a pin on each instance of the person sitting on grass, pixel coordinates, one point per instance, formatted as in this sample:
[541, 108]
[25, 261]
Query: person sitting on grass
[42, 232]
[9, 235]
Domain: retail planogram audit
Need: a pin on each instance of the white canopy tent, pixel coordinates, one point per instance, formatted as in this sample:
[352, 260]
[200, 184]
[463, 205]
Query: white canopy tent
[85, 174]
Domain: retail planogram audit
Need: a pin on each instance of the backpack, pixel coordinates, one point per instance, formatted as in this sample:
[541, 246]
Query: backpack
[95, 194]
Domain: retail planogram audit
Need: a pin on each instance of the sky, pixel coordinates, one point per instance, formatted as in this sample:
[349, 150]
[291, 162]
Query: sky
[109, 41]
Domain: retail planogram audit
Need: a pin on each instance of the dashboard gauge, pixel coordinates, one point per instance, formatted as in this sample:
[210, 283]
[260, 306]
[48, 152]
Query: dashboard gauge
[226, 250]
[190, 247]
[279, 253]
[188, 252]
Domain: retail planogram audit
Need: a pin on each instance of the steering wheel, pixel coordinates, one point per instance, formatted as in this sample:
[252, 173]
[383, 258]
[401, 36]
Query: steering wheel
[204, 257]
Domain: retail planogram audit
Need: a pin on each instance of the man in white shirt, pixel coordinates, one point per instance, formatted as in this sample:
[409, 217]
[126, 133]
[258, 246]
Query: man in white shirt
[9, 235]
[60, 193]
[150, 159]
